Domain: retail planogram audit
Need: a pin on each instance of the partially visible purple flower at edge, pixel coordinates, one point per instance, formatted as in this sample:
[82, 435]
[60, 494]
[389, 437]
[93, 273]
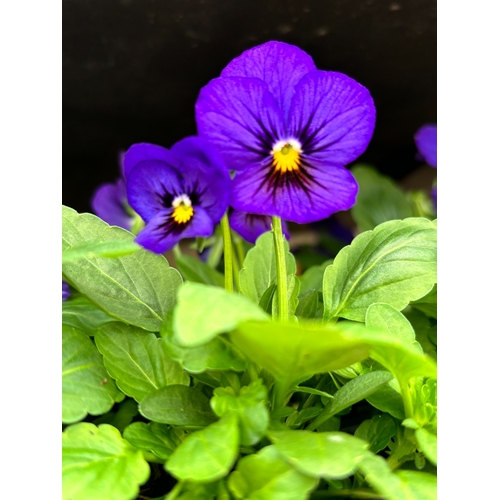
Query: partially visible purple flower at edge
[251, 226]
[288, 130]
[426, 142]
[65, 291]
[180, 193]
[110, 201]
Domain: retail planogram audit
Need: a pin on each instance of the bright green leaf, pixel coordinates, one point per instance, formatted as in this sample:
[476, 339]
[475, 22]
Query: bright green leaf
[427, 442]
[308, 304]
[98, 464]
[137, 360]
[92, 249]
[178, 405]
[388, 400]
[139, 289]
[83, 314]
[205, 311]
[86, 386]
[197, 271]
[427, 304]
[208, 454]
[418, 485]
[259, 267]
[395, 264]
[330, 455]
[312, 279]
[377, 431]
[154, 437]
[266, 476]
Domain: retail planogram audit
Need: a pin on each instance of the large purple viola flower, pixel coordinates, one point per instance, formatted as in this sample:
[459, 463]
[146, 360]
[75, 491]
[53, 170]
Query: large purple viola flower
[288, 130]
[180, 193]
[426, 142]
[251, 226]
[109, 202]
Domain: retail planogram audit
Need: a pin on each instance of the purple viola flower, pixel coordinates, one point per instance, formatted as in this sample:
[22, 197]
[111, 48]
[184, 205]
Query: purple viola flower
[180, 193]
[66, 292]
[426, 142]
[288, 130]
[110, 202]
[251, 226]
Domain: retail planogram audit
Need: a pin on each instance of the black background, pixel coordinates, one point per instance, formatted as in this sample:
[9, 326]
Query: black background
[132, 70]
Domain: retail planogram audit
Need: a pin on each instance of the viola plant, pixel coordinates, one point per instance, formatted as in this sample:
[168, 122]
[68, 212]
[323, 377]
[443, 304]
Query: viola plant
[252, 374]
[426, 142]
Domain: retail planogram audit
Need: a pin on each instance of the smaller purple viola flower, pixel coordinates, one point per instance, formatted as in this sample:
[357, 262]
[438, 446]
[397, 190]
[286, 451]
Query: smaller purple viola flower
[110, 202]
[426, 142]
[180, 193]
[66, 292]
[251, 226]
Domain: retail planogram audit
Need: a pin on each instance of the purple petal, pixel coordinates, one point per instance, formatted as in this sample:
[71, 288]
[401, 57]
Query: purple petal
[143, 152]
[204, 173]
[241, 118]
[332, 116]
[109, 203]
[149, 184]
[162, 234]
[278, 64]
[426, 142]
[314, 193]
[66, 292]
[251, 226]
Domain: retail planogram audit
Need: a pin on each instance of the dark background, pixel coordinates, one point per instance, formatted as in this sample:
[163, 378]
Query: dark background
[132, 70]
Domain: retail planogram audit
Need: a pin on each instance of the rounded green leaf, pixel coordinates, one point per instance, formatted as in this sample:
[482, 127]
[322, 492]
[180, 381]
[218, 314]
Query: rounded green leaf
[178, 405]
[124, 287]
[266, 476]
[395, 264]
[81, 313]
[98, 464]
[137, 360]
[427, 442]
[330, 455]
[86, 385]
[203, 311]
[208, 454]
[160, 439]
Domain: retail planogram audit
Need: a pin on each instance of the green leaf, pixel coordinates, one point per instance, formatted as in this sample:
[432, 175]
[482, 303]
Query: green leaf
[418, 485]
[86, 386]
[92, 249]
[266, 301]
[249, 405]
[204, 311]
[208, 454]
[154, 437]
[379, 199]
[312, 279]
[388, 400]
[330, 455]
[387, 317]
[427, 304]
[98, 464]
[197, 271]
[137, 360]
[266, 476]
[83, 314]
[395, 264]
[427, 442]
[377, 432]
[178, 405]
[259, 267]
[124, 415]
[293, 352]
[308, 304]
[138, 289]
[352, 392]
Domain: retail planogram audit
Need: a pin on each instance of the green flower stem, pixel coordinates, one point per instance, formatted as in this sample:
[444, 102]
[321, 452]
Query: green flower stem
[177, 251]
[282, 288]
[174, 492]
[228, 253]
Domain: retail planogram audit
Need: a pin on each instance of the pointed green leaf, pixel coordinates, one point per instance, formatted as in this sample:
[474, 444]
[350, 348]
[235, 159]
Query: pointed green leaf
[86, 385]
[197, 271]
[266, 476]
[124, 287]
[208, 454]
[83, 314]
[98, 464]
[178, 405]
[427, 442]
[308, 305]
[259, 267]
[377, 431]
[331, 455]
[379, 199]
[427, 304]
[395, 264]
[388, 400]
[312, 279]
[91, 249]
[159, 439]
[418, 485]
[204, 311]
[137, 360]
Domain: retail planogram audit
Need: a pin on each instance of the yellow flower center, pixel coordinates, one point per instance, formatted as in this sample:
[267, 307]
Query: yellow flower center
[286, 156]
[183, 211]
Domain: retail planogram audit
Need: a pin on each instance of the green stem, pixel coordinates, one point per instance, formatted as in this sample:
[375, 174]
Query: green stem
[177, 251]
[407, 401]
[228, 253]
[174, 492]
[236, 267]
[282, 288]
